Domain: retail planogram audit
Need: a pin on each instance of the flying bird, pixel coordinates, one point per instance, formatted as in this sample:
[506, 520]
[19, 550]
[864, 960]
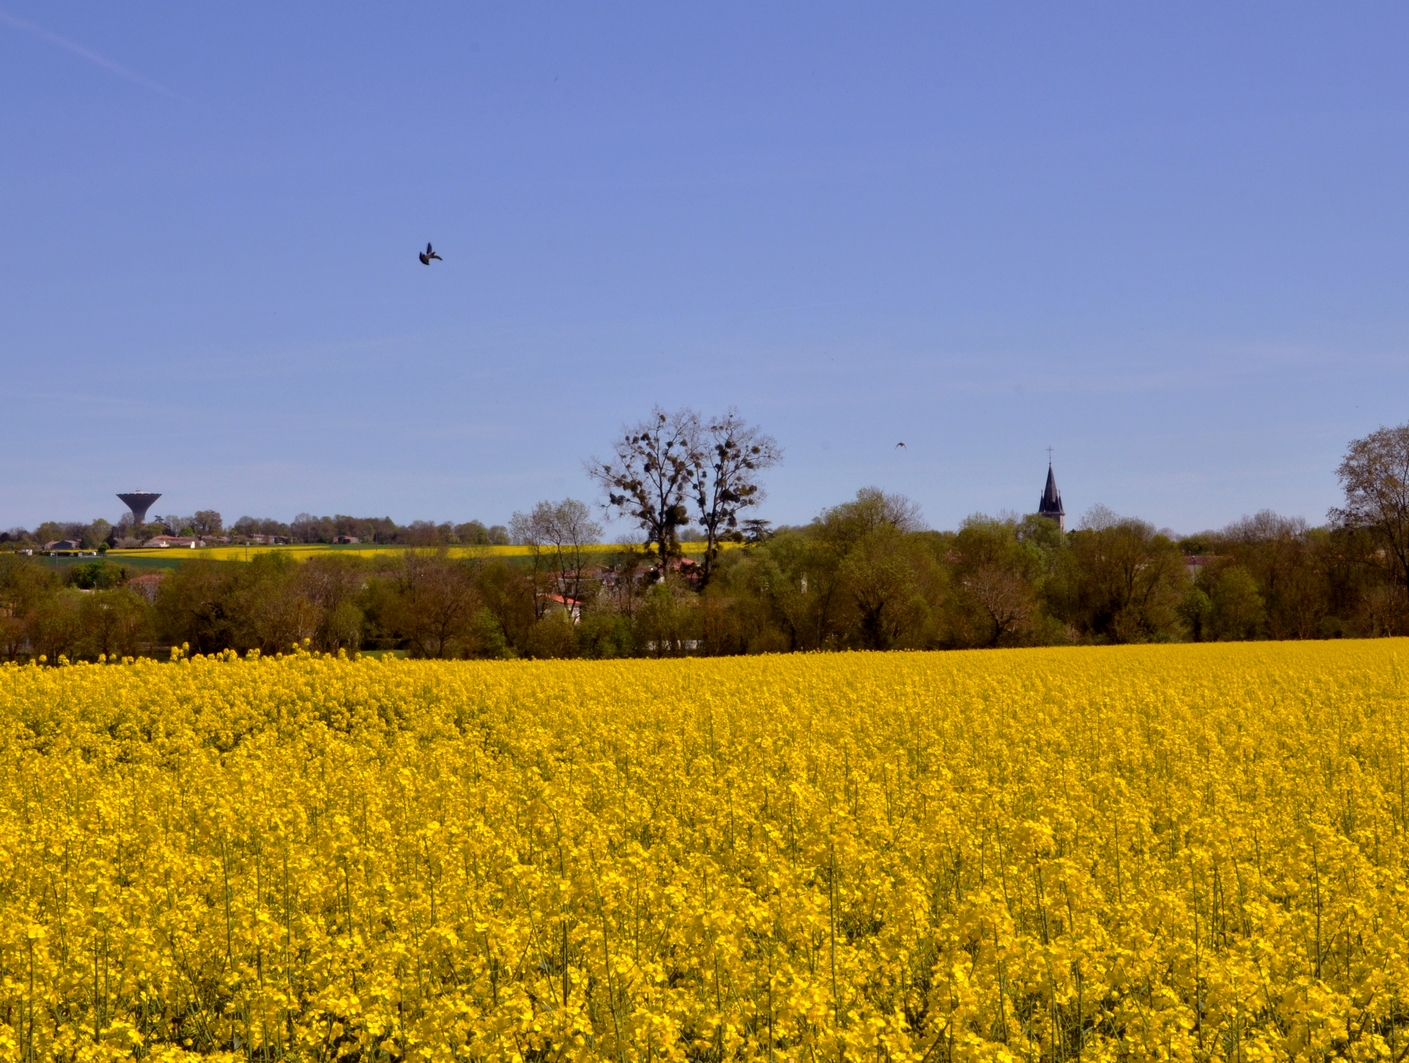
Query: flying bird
[900, 446]
[428, 254]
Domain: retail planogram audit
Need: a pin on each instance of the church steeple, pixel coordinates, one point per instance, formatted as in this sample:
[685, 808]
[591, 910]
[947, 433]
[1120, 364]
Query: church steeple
[1051, 504]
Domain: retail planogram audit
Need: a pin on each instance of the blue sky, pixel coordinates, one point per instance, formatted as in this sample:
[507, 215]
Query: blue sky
[1166, 240]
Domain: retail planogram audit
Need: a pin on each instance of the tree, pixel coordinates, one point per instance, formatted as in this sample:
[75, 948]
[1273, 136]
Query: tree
[792, 576]
[1237, 611]
[667, 619]
[96, 534]
[96, 575]
[509, 609]
[435, 605]
[757, 530]
[306, 528]
[207, 522]
[1120, 581]
[880, 575]
[558, 533]
[266, 606]
[55, 627]
[472, 533]
[1196, 610]
[868, 538]
[872, 508]
[1375, 477]
[334, 584]
[195, 606]
[997, 574]
[727, 456]
[24, 587]
[531, 530]
[1274, 550]
[650, 478]
[53, 529]
[113, 622]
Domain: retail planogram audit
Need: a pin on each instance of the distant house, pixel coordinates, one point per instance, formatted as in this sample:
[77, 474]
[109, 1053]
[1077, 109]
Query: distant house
[63, 544]
[571, 606]
[347, 539]
[162, 542]
[687, 568]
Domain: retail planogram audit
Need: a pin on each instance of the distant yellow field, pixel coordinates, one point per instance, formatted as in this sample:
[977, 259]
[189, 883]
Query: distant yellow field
[1192, 852]
[302, 552]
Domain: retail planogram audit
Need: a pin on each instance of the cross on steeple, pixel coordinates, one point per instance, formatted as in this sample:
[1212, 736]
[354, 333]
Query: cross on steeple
[1049, 455]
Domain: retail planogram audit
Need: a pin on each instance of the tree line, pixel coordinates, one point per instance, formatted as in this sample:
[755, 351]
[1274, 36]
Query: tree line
[304, 528]
[864, 574]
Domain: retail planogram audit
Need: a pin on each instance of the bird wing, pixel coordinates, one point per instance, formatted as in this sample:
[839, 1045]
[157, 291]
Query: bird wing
[436, 257]
[424, 260]
[428, 250]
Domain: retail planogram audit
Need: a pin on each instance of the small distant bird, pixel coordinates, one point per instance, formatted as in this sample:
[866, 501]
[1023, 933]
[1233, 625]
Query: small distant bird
[900, 446]
[428, 254]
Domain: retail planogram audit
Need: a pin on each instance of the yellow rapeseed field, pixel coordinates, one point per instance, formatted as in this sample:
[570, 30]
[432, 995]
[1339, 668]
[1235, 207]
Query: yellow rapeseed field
[303, 551]
[1188, 852]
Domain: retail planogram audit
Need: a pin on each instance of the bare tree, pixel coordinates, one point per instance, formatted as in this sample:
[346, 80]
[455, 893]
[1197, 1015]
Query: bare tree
[530, 530]
[651, 475]
[558, 533]
[571, 530]
[1375, 477]
[727, 456]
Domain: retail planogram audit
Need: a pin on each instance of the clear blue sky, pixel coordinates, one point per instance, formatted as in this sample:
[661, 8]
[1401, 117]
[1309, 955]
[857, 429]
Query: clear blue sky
[1168, 241]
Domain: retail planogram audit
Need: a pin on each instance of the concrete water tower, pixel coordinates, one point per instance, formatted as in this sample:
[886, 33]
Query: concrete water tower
[139, 502]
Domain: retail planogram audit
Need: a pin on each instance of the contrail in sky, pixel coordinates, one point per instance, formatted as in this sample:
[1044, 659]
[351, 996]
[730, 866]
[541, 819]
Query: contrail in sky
[78, 49]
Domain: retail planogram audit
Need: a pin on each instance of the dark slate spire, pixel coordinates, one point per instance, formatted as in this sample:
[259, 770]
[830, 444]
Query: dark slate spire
[1051, 504]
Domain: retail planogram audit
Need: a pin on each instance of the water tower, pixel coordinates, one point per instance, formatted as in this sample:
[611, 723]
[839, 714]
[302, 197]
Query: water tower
[139, 502]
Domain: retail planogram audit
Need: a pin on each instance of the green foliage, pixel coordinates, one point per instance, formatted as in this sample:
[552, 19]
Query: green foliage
[1237, 610]
[96, 575]
[1121, 582]
[605, 635]
[1196, 612]
[666, 620]
[493, 644]
[865, 574]
[997, 567]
